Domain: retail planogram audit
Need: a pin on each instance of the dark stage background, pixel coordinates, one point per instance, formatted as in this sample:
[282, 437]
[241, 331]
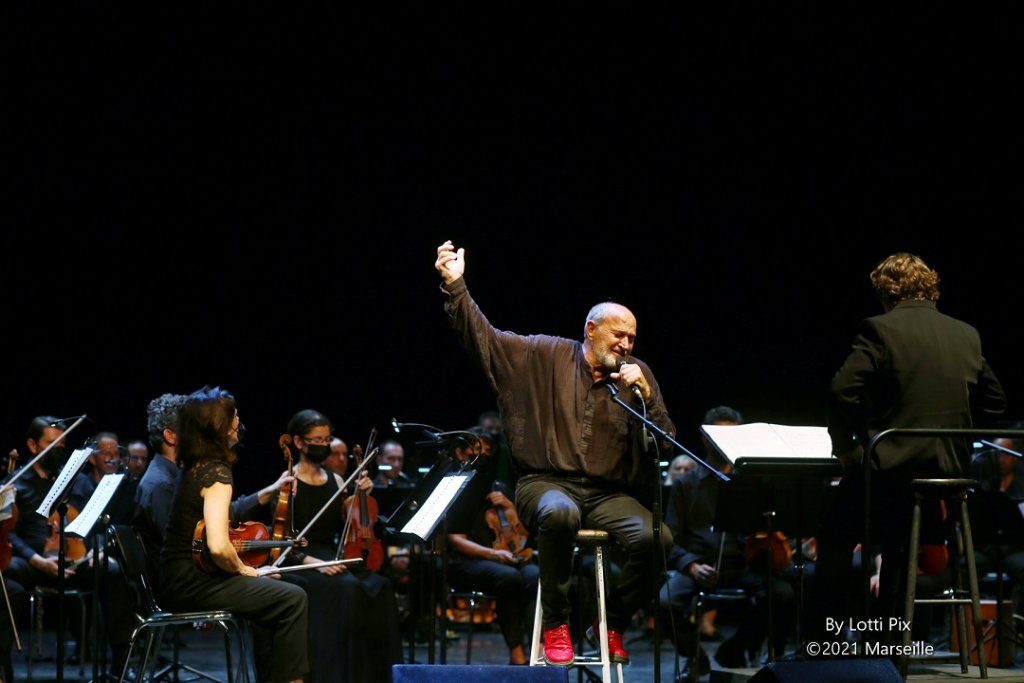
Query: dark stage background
[254, 199]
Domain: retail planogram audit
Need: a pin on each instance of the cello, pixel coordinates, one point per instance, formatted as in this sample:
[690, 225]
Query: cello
[283, 526]
[359, 539]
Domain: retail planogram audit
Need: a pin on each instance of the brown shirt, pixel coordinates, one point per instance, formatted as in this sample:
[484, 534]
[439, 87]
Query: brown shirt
[556, 418]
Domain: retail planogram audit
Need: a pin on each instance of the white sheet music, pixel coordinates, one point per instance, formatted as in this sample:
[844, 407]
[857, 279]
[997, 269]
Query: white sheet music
[82, 524]
[63, 480]
[763, 440]
[423, 522]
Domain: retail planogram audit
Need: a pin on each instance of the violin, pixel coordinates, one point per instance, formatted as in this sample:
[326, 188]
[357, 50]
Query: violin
[251, 540]
[283, 526]
[509, 532]
[758, 545]
[10, 520]
[360, 541]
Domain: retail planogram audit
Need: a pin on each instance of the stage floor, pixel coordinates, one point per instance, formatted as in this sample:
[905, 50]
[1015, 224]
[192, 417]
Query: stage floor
[204, 651]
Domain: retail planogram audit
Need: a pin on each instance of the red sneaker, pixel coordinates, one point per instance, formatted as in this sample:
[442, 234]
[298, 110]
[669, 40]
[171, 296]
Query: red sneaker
[615, 650]
[558, 646]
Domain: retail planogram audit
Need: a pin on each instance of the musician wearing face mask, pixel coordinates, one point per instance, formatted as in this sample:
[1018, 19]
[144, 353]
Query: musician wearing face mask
[353, 616]
[33, 539]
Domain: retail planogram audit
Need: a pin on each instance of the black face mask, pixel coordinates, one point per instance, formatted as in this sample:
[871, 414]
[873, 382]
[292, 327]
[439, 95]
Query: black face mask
[53, 460]
[317, 453]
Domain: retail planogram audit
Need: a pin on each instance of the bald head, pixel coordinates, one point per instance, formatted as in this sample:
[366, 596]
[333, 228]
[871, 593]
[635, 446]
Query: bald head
[608, 335]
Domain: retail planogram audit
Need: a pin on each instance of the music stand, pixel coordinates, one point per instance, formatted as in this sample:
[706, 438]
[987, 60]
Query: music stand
[57, 497]
[782, 501]
[417, 518]
[82, 526]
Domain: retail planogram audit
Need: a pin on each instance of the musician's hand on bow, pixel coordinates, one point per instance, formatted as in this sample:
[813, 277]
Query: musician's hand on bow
[332, 570]
[49, 565]
[704, 574]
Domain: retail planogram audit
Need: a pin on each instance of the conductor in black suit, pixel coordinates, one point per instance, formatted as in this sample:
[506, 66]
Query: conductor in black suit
[911, 367]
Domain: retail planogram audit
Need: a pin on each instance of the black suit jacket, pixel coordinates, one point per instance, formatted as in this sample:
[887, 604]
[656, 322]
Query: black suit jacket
[912, 367]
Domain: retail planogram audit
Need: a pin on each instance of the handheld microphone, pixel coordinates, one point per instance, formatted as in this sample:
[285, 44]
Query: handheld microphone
[635, 389]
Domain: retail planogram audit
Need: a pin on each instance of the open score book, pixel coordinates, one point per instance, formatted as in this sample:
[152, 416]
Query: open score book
[760, 440]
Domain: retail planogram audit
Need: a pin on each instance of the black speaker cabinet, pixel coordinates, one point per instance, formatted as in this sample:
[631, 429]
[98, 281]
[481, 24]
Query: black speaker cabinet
[474, 673]
[830, 671]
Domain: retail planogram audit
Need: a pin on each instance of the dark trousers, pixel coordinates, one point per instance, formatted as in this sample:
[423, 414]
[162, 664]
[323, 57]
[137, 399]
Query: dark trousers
[116, 602]
[677, 595]
[554, 508]
[514, 590]
[276, 607]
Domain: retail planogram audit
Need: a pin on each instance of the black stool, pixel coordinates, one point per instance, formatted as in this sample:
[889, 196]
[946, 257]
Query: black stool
[473, 599]
[952, 490]
[701, 601]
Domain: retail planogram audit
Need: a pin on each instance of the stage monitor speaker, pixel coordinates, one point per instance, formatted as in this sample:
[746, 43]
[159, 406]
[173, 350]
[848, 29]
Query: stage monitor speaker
[473, 673]
[829, 671]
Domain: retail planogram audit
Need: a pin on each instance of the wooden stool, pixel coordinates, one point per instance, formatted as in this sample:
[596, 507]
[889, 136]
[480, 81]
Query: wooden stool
[598, 540]
[952, 490]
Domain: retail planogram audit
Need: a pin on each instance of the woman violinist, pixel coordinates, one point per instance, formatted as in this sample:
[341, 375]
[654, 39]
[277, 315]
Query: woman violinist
[208, 430]
[489, 558]
[353, 615]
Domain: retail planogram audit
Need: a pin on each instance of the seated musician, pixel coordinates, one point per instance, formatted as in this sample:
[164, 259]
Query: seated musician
[209, 428]
[353, 617]
[35, 541]
[490, 551]
[1000, 545]
[694, 563]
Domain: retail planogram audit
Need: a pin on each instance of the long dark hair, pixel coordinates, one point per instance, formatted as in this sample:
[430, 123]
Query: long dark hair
[203, 425]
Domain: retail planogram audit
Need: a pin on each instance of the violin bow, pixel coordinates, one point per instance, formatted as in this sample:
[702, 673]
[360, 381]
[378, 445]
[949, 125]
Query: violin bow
[60, 439]
[10, 612]
[272, 569]
[341, 489]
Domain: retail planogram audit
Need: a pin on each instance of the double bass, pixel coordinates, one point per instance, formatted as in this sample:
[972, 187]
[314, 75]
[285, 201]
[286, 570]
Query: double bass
[359, 539]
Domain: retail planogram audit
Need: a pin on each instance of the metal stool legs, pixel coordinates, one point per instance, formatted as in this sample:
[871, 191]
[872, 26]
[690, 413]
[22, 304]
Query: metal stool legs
[956, 490]
[598, 539]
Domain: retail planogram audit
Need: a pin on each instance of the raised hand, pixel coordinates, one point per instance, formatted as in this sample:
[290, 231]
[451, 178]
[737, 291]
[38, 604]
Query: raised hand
[451, 263]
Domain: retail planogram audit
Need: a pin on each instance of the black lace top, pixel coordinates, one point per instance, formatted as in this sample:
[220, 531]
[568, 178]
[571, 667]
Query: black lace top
[187, 509]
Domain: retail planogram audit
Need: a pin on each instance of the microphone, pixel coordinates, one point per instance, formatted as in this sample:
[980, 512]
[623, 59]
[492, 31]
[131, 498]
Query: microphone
[635, 389]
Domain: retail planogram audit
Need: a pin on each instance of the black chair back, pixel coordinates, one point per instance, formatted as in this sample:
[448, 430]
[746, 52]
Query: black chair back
[132, 558]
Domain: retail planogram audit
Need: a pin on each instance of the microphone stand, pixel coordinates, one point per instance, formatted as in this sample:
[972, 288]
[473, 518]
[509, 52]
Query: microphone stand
[656, 513]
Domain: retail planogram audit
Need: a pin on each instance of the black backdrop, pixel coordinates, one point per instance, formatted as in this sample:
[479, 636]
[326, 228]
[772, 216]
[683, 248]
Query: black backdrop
[252, 198]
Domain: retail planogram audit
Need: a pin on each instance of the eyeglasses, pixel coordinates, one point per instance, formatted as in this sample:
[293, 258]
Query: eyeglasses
[318, 440]
[141, 458]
